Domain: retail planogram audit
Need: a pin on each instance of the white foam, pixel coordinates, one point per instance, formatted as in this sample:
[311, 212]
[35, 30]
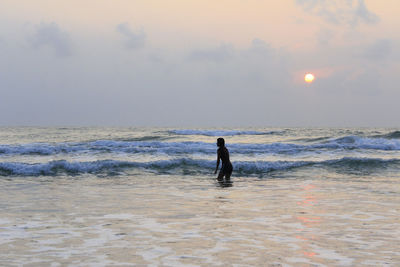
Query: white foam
[174, 165]
[356, 142]
[177, 148]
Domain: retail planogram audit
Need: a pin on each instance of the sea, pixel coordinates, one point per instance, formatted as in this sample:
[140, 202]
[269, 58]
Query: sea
[98, 196]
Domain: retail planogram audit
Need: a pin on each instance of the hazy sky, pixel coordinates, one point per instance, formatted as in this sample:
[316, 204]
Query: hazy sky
[200, 63]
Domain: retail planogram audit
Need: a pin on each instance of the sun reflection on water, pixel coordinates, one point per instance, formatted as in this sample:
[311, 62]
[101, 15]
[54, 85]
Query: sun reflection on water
[308, 219]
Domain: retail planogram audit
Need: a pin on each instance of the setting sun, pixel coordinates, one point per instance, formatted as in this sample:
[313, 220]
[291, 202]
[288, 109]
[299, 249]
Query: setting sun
[309, 78]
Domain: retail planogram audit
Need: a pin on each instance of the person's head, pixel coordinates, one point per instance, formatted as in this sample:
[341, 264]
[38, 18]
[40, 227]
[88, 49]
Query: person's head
[220, 142]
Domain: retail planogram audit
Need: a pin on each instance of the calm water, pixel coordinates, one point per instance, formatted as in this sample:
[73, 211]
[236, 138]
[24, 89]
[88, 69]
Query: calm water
[123, 196]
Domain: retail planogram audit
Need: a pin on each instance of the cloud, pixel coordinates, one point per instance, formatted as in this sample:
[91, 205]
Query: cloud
[349, 12]
[133, 40]
[353, 82]
[254, 83]
[380, 50]
[217, 54]
[50, 35]
[362, 13]
[259, 46]
[324, 36]
[258, 67]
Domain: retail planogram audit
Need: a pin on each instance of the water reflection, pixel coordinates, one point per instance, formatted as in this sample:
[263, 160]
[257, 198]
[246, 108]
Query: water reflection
[225, 183]
[307, 220]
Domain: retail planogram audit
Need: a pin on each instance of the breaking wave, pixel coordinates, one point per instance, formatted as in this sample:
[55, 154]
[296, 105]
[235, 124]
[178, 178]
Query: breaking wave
[177, 148]
[391, 135]
[184, 166]
[356, 142]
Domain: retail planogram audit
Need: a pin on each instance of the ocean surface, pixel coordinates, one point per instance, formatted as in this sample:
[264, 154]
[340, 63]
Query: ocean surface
[148, 197]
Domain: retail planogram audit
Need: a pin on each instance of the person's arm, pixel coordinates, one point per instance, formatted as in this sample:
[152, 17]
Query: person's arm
[218, 158]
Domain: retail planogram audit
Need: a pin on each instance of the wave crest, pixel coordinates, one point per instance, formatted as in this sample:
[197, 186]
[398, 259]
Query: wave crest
[184, 166]
[179, 148]
[356, 142]
[391, 135]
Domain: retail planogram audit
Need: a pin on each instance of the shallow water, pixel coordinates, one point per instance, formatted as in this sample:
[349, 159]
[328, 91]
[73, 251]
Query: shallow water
[344, 214]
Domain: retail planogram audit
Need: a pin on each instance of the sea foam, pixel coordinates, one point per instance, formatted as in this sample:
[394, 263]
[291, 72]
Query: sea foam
[177, 148]
[176, 166]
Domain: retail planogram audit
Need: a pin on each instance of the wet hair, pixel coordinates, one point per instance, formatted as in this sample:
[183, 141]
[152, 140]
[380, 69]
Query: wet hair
[220, 142]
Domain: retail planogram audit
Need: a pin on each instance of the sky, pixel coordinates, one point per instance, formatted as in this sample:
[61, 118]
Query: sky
[209, 63]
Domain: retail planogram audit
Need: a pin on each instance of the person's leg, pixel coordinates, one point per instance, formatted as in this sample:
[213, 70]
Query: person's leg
[228, 173]
[220, 175]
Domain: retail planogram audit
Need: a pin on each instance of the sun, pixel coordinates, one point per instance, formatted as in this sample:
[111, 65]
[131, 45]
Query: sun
[309, 78]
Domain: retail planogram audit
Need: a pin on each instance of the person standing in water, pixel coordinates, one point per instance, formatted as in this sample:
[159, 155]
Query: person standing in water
[223, 155]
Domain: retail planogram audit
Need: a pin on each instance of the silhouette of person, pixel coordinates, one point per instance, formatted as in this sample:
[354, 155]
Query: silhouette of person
[223, 155]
